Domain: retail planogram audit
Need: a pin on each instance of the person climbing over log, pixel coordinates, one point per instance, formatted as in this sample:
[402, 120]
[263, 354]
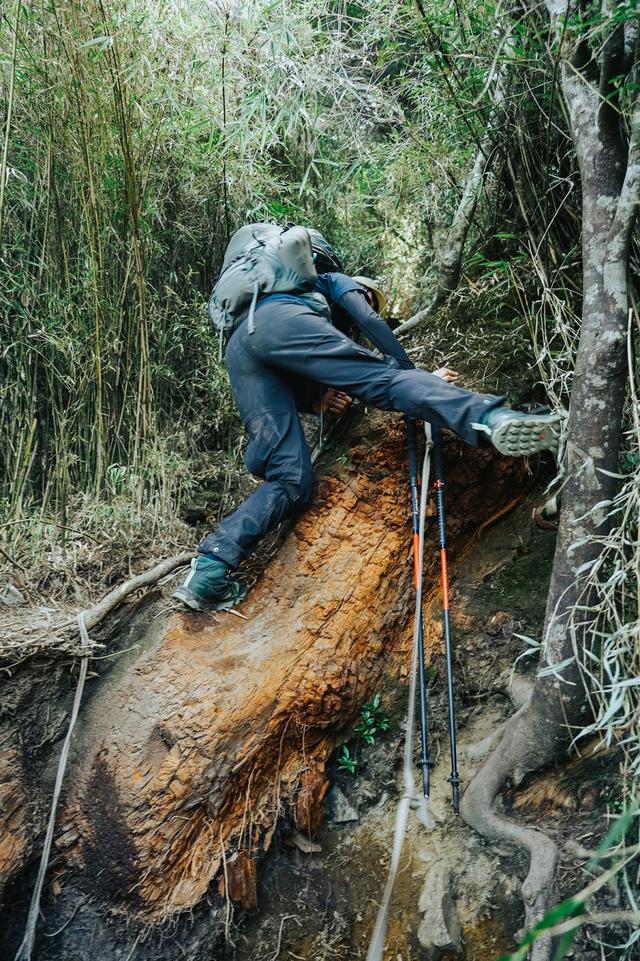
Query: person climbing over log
[287, 348]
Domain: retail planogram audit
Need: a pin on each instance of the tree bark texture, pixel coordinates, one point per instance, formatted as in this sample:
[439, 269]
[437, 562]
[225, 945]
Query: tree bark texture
[450, 262]
[221, 728]
[543, 729]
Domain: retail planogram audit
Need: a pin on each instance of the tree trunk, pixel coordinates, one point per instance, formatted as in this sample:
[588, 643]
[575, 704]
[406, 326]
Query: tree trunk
[452, 250]
[543, 729]
[450, 263]
[219, 729]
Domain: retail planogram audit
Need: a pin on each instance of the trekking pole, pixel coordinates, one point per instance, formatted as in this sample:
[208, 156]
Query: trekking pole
[412, 450]
[442, 538]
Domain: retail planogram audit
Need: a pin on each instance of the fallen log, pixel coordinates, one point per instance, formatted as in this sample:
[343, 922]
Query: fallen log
[221, 728]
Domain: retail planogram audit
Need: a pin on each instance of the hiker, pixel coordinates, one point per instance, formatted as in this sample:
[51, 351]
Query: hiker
[278, 357]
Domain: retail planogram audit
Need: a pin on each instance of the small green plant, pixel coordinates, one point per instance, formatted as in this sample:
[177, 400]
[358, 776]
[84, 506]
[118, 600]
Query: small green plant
[346, 762]
[373, 720]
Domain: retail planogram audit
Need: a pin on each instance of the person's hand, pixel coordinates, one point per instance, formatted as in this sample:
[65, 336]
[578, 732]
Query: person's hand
[335, 402]
[445, 373]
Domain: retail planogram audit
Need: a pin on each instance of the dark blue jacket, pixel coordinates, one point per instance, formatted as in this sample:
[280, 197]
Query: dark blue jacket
[350, 308]
[352, 315]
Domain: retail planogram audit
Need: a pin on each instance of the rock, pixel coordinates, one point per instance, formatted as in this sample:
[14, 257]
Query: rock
[340, 810]
[439, 931]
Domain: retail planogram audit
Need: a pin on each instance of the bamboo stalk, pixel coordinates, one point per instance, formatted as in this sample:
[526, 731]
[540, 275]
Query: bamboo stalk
[10, 101]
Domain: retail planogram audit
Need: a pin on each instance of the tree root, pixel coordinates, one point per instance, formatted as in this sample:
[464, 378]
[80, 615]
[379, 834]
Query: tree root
[520, 689]
[97, 613]
[480, 749]
[518, 752]
[29, 632]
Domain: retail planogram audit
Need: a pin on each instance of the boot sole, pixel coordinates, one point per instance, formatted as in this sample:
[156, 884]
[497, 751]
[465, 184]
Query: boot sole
[199, 604]
[524, 436]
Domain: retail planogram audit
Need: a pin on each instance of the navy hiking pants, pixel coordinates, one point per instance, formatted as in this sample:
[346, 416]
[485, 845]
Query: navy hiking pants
[291, 341]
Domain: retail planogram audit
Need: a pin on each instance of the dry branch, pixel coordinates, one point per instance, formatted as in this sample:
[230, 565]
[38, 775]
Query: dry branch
[29, 632]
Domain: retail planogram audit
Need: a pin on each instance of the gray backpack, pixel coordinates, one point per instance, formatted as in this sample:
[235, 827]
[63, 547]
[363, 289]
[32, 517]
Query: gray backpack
[261, 259]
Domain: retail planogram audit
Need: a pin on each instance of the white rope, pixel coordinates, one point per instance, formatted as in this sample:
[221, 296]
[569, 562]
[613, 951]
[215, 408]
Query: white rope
[25, 949]
[411, 797]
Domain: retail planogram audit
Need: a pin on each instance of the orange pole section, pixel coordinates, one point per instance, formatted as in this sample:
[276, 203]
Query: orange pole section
[445, 579]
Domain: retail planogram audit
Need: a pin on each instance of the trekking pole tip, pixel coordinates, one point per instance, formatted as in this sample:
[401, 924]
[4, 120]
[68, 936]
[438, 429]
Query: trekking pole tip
[455, 793]
[424, 767]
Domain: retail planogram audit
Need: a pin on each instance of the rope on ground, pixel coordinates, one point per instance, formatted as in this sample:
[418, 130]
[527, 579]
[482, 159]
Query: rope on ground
[86, 619]
[411, 798]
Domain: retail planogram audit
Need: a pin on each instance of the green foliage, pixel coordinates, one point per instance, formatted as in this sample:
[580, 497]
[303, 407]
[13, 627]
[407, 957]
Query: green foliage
[346, 762]
[129, 163]
[567, 909]
[139, 138]
[372, 721]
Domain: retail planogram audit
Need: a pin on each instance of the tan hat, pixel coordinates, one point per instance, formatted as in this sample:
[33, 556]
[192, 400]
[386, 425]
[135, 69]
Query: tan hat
[378, 296]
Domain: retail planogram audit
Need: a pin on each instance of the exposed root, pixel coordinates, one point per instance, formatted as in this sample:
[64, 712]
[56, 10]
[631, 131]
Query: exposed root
[148, 578]
[513, 756]
[479, 749]
[520, 690]
[28, 632]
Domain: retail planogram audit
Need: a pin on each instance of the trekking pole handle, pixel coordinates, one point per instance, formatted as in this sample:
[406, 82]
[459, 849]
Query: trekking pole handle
[412, 449]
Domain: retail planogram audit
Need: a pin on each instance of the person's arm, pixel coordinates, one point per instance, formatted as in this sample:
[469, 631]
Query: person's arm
[354, 303]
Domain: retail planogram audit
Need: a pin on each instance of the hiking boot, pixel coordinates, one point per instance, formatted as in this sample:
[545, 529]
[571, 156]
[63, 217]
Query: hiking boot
[209, 587]
[518, 433]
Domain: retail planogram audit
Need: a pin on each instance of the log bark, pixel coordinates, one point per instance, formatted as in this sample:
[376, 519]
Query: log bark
[221, 729]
